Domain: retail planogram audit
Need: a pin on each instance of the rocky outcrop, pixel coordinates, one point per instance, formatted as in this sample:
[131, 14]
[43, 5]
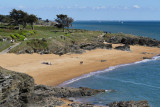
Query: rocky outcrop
[131, 40]
[130, 104]
[65, 92]
[123, 48]
[15, 88]
[19, 90]
[91, 46]
[80, 105]
[74, 48]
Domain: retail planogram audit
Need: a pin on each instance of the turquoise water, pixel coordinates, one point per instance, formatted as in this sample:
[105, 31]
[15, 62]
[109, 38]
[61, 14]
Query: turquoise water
[149, 29]
[137, 81]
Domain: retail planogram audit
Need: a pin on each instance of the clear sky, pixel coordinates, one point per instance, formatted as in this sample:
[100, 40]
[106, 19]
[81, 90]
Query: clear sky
[87, 9]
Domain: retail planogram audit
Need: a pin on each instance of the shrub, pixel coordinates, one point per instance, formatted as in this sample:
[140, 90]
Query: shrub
[20, 37]
[34, 31]
[67, 35]
[31, 32]
[24, 34]
[38, 44]
[1, 30]
[1, 39]
[13, 36]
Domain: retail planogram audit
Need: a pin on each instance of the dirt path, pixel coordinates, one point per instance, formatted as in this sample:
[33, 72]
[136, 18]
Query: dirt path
[11, 47]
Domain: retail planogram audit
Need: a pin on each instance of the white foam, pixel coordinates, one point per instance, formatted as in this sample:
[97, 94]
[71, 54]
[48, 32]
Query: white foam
[107, 70]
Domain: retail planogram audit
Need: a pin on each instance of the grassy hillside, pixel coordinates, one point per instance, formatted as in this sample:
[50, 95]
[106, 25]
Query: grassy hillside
[47, 37]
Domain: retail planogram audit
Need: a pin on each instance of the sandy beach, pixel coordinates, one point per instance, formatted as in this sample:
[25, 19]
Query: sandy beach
[68, 66]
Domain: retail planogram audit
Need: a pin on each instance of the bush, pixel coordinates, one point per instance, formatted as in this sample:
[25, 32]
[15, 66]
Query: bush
[31, 32]
[1, 30]
[1, 39]
[13, 36]
[38, 44]
[67, 35]
[34, 31]
[20, 37]
[24, 34]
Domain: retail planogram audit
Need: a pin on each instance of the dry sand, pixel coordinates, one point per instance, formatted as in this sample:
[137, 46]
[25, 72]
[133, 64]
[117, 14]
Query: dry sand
[68, 66]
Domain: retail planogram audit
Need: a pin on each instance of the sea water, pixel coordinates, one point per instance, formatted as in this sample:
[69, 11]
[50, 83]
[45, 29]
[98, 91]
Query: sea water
[139, 28]
[135, 81]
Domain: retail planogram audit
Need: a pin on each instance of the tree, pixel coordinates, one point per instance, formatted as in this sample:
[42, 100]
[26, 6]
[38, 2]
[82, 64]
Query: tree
[32, 19]
[39, 18]
[69, 22]
[23, 18]
[64, 21]
[18, 17]
[47, 20]
[2, 18]
[61, 20]
[15, 16]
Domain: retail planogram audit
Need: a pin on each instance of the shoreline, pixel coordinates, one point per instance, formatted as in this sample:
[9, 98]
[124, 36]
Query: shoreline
[106, 70]
[68, 67]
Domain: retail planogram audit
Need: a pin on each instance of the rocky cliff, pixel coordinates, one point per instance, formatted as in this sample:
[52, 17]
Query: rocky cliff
[19, 90]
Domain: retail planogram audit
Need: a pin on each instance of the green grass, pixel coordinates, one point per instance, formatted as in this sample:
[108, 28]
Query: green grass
[54, 36]
[4, 45]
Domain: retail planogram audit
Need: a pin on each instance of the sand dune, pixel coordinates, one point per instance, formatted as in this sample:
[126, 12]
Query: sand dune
[68, 66]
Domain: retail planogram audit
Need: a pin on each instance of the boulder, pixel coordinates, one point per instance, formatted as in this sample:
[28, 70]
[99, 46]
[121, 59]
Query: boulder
[130, 104]
[123, 48]
[147, 58]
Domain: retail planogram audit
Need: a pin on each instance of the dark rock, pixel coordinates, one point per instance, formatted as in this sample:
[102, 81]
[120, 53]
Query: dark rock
[81, 62]
[75, 49]
[132, 40]
[44, 101]
[28, 51]
[91, 46]
[80, 105]
[123, 48]
[47, 63]
[15, 88]
[130, 104]
[103, 60]
[88, 46]
[146, 53]
[147, 58]
[65, 92]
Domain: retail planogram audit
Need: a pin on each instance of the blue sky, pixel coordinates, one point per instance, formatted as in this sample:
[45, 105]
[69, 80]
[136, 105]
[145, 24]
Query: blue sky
[87, 9]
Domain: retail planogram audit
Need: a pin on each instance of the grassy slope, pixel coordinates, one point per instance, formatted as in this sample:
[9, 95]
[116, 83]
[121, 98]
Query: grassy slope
[54, 36]
[4, 45]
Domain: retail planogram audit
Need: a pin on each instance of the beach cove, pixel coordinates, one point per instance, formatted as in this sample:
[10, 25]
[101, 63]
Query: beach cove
[67, 67]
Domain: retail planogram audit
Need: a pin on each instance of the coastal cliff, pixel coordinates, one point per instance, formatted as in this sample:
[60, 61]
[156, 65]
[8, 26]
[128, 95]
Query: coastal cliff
[19, 90]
